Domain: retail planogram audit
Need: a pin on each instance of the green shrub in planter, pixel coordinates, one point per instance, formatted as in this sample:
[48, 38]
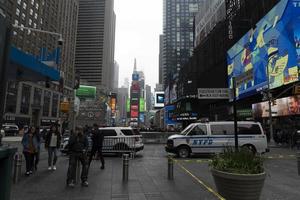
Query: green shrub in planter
[241, 162]
[238, 175]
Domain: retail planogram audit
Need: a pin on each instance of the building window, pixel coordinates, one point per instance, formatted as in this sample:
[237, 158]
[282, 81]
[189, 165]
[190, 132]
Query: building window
[30, 22]
[178, 22]
[23, 16]
[17, 12]
[32, 2]
[37, 6]
[15, 33]
[25, 99]
[19, 2]
[29, 31]
[37, 97]
[16, 22]
[34, 25]
[177, 7]
[193, 7]
[54, 105]
[178, 37]
[31, 11]
[22, 25]
[11, 97]
[46, 106]
[24, 6]
[35, 15]
[41, 21]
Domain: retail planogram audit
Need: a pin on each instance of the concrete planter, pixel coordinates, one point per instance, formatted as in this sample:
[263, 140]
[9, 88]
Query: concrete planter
[239, 186]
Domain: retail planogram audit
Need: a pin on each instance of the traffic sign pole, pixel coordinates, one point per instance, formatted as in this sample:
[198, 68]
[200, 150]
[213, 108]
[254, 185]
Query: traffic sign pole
[236, 142]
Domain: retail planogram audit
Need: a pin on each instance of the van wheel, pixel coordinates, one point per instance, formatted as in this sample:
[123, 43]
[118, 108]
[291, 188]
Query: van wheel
[183, 152]
[250, 148]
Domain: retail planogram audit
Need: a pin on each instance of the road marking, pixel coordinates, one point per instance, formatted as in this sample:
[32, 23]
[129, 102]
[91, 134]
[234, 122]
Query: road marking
[195, 161]
[281, 156]
[200, 181]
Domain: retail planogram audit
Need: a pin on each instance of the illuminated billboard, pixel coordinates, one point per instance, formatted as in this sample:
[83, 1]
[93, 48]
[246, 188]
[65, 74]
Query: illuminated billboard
[142, 105]
[85, 91]
[159, 99]
[273, 48]
[280, 107]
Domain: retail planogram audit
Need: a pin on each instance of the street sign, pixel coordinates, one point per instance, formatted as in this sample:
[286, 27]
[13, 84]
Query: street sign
[214, 93]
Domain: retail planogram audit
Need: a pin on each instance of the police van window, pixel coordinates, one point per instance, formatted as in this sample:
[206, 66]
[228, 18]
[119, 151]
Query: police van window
[198, 130]
[222, 129]
[109, 132]
[187, 129]
[127, 132]
[248, 129]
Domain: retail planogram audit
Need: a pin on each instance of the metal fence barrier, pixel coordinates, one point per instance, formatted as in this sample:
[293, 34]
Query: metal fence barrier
[128, 144]
[17, 167]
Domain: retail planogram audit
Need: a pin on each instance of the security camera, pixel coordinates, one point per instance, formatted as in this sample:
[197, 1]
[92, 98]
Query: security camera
[60, 41]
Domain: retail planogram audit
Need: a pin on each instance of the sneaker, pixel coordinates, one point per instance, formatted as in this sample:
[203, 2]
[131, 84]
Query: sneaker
[30, 172]
[85, 184]
[102, 167]
[49, 168]
[54, 167]
[27, 174]
[71, 184]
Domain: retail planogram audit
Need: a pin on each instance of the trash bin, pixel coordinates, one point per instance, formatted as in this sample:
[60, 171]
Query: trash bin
[6, 166]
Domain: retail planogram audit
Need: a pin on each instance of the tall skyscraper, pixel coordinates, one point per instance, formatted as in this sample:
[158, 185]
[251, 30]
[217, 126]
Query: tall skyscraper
[95, 42]
[115, 80]
[178, 22]
[161, 60]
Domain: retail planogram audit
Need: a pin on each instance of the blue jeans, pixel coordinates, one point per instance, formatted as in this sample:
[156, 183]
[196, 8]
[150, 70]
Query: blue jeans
[52, 153]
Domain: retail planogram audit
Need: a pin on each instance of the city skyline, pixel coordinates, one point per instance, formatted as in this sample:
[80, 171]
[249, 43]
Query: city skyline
[138, 28]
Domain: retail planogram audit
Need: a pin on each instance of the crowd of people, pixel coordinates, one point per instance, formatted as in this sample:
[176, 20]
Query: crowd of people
[78, 150]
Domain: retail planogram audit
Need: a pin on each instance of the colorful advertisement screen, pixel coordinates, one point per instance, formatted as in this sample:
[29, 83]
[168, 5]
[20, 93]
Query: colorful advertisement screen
[271, 50]
[280, 107]
[142, 105]
[85, 91]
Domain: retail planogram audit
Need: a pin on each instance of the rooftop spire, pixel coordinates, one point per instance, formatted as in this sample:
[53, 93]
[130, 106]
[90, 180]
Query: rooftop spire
[134, 69]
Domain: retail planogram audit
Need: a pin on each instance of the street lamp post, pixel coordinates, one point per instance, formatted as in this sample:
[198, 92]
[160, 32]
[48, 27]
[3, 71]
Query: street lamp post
[271, 55]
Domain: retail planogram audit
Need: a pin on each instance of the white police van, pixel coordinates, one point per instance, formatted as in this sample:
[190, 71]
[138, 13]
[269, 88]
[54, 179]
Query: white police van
[213, 137]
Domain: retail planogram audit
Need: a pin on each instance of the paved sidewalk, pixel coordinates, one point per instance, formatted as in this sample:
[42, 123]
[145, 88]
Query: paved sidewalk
[147, 181]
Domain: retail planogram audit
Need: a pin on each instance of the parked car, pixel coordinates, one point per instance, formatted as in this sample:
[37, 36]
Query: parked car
[116, 140]
[10, 129]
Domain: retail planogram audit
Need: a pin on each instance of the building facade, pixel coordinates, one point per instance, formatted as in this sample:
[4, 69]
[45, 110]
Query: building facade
[32, 98]
[161, 60]
[95, 42]
[178, 23]
[121, 106]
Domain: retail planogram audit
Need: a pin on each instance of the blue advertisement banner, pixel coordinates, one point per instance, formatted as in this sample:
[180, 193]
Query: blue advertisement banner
[270, 51]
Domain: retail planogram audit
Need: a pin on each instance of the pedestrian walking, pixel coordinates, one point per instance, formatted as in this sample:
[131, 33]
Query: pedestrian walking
[52, 143]
[78, 146]
[97, 139]
[36, 156]
[30, 147]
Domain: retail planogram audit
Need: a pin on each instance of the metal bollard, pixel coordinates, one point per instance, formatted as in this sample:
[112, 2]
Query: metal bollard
[170, 168]
[298, 161]
[125, 167]
[17, 167]
[77, 172]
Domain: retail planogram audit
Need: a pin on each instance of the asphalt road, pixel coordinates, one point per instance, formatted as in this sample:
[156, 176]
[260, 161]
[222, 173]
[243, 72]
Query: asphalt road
[148, 179]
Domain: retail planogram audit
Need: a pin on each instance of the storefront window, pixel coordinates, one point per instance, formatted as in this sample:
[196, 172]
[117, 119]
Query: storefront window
[25, 99]
[54, 105]
[46, 106]
[11, 97]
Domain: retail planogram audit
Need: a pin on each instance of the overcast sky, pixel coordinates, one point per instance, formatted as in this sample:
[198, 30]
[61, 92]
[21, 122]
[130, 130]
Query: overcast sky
[138, 25]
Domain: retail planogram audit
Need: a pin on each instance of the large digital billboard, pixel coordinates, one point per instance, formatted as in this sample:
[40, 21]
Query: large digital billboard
[88, 92]
[273, 48]
[280, 107]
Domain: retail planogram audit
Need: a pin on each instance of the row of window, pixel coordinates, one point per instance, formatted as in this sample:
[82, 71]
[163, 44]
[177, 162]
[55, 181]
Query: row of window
[25, 5]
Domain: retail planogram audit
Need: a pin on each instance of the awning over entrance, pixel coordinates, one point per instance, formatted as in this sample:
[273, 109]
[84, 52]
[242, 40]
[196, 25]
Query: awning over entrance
[27, 67]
